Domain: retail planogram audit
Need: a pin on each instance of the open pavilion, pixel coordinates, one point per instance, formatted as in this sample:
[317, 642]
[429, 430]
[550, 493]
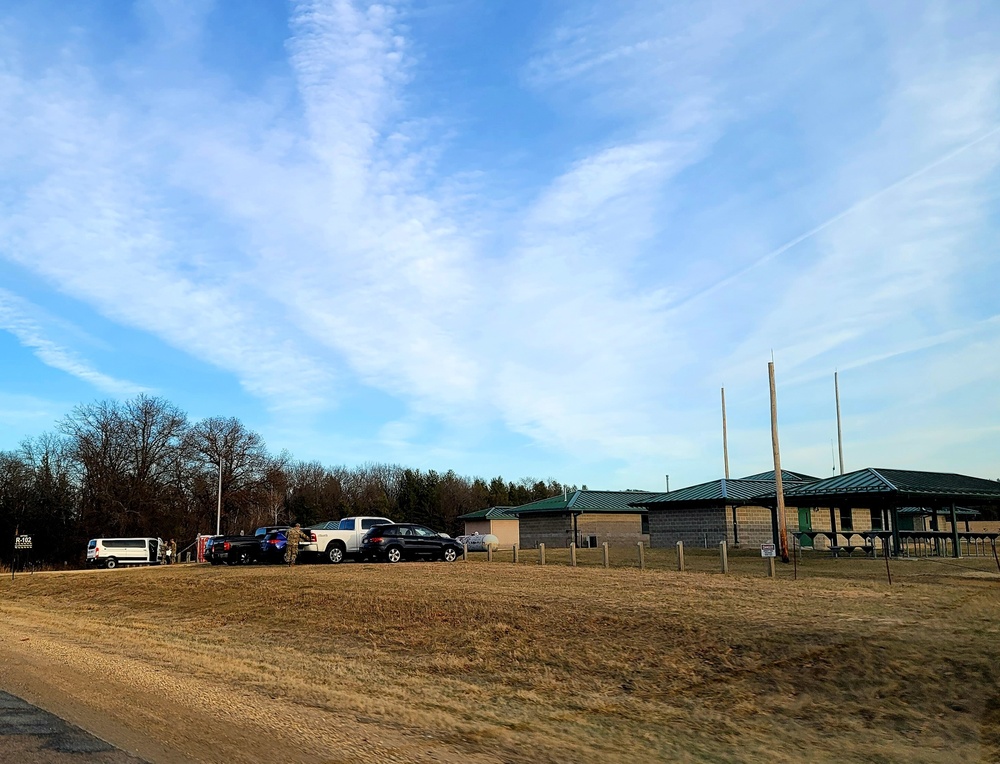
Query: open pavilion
[886, 492]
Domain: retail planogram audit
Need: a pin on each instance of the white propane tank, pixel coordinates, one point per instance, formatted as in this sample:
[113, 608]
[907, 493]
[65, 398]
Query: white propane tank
[479, 543]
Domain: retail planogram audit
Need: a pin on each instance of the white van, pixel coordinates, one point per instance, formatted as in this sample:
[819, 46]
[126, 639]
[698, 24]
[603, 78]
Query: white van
[110, 553]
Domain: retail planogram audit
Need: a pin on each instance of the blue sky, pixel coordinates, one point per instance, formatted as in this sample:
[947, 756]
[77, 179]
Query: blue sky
[518, 238]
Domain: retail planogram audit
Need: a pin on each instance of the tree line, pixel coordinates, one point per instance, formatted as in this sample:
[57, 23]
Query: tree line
[141, 468]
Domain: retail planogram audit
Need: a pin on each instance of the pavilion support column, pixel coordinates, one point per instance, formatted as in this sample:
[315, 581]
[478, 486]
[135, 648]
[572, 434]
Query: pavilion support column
[894, 512]
[736, 529]
[956, 549]
[936, 526]
[833, 527]
[774, 524]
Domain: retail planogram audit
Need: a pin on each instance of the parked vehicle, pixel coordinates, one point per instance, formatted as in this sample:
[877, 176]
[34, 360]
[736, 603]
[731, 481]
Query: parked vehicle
[272, 547]
[334, 541]
[405, 541]
[110, 553]
[233, 550]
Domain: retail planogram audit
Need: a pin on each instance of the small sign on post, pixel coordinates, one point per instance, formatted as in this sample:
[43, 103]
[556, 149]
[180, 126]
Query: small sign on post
[768, 550]
[20, 542]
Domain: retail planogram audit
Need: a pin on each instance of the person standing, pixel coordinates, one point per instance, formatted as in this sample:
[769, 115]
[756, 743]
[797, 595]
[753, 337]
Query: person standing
[172, 552]
[293, 537]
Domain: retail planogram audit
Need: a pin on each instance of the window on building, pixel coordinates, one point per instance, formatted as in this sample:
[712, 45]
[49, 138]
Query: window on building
[846, 519]
[876, 519]
[592, 542]
[645, 523]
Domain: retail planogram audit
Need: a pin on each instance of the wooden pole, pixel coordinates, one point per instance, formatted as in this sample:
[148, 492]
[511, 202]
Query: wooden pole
[778, 488]
[572, 554]
[723, 557]
[680, 556]
[541, 554]
[515, 553]
[607, 560]
[642, 556]
[725, 437]
[840, 436]
[888, 573]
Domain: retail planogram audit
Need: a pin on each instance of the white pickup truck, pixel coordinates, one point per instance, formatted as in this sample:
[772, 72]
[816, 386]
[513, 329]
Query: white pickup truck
[335, 540]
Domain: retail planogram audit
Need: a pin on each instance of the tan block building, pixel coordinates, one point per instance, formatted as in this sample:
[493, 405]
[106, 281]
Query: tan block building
[496, 520]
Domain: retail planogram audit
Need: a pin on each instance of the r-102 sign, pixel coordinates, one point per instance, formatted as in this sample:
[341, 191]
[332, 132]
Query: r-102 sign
[768, 550]
[22, 542]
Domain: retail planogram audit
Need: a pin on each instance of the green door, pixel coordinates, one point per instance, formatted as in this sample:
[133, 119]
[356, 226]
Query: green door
[805, 524]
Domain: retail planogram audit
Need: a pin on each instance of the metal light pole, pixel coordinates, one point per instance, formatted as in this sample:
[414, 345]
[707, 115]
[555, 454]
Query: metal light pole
[218, 512]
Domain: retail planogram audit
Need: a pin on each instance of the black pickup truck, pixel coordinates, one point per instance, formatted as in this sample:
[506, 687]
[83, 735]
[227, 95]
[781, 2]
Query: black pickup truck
[233, 550]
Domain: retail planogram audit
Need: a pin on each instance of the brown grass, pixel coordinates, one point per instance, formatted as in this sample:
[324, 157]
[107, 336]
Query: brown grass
[522, 663]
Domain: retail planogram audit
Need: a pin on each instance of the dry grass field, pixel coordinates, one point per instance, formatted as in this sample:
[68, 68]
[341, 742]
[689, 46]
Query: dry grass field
[501, 663]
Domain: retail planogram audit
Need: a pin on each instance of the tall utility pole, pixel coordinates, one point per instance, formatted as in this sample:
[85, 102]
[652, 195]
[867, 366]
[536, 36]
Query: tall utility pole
[725, 440]
[778, 488]
[840, 437]
[218, 511]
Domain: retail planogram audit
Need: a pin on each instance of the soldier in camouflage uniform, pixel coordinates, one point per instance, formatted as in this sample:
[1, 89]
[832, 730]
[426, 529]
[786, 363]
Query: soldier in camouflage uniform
[293, 537]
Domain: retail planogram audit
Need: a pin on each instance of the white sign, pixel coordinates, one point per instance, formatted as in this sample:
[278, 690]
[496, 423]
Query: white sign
[767, 550]
[22, 542]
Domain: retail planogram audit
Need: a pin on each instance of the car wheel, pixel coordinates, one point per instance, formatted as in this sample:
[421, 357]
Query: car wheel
[243, 559]
[111, 563]
[394, 554]
[334, 553]
[449, 554]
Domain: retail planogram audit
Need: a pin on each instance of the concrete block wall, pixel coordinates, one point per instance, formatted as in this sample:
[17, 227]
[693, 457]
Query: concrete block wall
[616, 530]
[551, 530]
[755, 526]
[507, 532]
[695, 527]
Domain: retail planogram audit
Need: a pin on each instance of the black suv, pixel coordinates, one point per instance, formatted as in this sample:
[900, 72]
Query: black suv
[407, 542]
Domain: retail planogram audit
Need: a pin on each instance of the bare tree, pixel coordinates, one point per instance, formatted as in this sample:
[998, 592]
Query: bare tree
[244, 464]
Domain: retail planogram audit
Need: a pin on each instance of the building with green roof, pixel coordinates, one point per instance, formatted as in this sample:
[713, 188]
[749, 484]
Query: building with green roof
[590, 518]
[843, 511]
[729, 510]
[500, 521]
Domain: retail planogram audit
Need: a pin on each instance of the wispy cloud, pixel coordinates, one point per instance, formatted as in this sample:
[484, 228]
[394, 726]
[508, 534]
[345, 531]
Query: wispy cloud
[17, 317]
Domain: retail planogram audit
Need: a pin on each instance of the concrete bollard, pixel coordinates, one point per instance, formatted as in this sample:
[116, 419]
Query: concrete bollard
[187, 557]
[572, 554]
[465, 552]
[770, 566]
[515, 553]
[642, 556]
[541, 554]
[680, 556]
[489, 553]
[724, 556]
[607, 560]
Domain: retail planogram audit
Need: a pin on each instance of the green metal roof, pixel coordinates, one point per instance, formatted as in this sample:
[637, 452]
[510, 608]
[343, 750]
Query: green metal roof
[716, 492]
[786, 476]
[892, 486]
[490, 513]
[607, 502]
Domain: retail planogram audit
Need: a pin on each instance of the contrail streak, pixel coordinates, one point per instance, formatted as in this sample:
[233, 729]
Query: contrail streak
[836, 218]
